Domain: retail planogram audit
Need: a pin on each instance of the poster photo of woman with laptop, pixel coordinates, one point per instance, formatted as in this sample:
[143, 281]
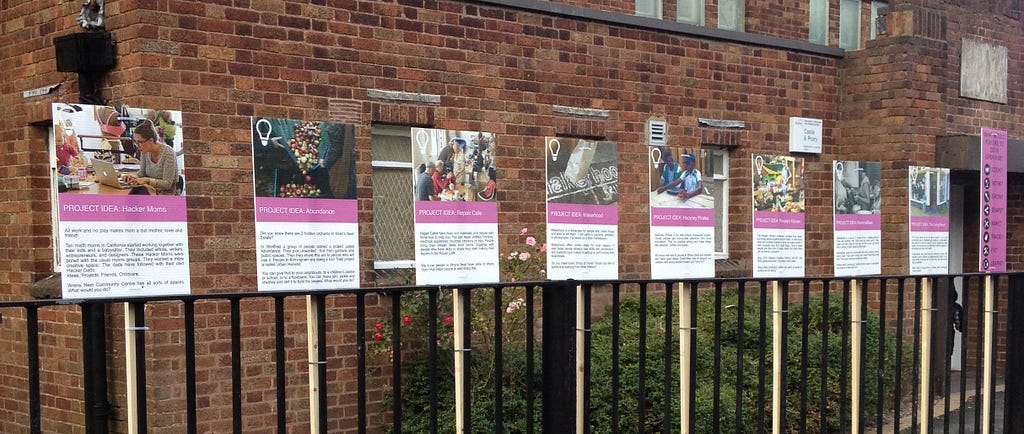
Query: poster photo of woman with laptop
[117, 150]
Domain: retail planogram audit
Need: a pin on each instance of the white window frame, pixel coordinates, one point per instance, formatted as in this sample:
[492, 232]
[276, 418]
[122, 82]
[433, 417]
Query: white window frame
[738, 13]
[849, 32]
[394, 131]
[697, 5]
[54, 211]
[648, 8]
[721, 174]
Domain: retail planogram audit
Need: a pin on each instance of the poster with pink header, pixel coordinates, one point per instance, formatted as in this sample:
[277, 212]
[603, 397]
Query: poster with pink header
[455, 197]
[304, 179]
[992, 221]
[682, 214]
[857, 218]
[778, 220]
[929, 220]
[582, 209]
[122, 222]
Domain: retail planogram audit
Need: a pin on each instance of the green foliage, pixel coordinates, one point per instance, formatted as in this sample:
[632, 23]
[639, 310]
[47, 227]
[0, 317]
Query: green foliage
[731, 331]
[416, 371]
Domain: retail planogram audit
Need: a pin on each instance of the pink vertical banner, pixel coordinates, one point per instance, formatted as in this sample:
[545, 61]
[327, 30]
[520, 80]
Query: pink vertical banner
[992, 221]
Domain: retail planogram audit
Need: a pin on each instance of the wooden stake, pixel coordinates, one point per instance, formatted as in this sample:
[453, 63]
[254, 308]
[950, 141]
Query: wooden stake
[581, 337]
[924, 402]
[856, 360]
[686, 326]
[458, 322]
[777, 362]
[987, 358]
[313, 351]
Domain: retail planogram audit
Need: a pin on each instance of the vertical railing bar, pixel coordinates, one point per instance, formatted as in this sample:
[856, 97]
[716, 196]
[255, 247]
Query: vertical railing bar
[499, 415]
[32, 350]
[979, 358]
[900, 294]
[741, 306]
[668, 358]
[432, 318]
[321, 332]
[529, 361]
[280, 361]
[716, 366]
[467, 330]
[587, 347]
[844, 379]
[826, 315]
[396, 361]
[191, 422]
[616, 371]
[880, 367]
[641, 410]
[236, 365]
[361, 421]
[763, 353]
[805, 318]
[964, 340]
[947, 359]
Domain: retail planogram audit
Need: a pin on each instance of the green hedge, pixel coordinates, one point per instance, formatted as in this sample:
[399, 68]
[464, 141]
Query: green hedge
[655, 419]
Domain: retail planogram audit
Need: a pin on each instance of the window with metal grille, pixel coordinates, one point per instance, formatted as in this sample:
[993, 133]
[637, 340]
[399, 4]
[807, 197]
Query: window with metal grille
[392, 177]
[714, 166]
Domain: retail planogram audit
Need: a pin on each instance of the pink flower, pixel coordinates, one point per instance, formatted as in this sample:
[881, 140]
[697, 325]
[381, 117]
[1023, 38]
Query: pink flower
[531, 241]
[406, 320]
[522, 231]
[379, 326]
[544, 247]
[524, 256]
[513, 279]
[448, 320]
[377, 336]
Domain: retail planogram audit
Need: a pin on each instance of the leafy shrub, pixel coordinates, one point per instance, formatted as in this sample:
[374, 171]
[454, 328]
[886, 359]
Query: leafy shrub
[601, 397]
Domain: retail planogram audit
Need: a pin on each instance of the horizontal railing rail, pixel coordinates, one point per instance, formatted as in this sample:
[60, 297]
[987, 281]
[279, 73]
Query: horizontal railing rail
[712, 355]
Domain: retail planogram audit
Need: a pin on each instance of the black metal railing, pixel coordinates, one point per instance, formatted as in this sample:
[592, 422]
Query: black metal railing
[651, 356]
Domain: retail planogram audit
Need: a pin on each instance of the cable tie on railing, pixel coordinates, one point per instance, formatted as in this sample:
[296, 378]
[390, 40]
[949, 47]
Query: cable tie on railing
[463, 350]
[317, 362]
[584, 330]
[858, 321]
[137, 329]
[931, 309]
[688, 328]
[992, 311]
[781, 311]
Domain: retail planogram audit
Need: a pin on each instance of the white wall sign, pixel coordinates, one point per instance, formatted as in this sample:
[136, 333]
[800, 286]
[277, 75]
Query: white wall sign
[805, 135]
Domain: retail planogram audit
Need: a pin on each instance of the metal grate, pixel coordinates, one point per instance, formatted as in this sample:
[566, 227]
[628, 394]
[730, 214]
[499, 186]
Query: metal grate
[392, 195]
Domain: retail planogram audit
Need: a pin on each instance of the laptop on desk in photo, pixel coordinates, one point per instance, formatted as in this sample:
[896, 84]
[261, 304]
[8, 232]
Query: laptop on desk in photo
[107, 175]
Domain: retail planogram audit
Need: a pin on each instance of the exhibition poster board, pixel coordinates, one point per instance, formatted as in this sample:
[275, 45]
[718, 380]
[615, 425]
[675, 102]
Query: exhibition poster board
[778, 216]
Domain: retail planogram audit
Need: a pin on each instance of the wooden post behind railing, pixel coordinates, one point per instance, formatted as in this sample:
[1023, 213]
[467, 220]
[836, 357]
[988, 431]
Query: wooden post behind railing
[130, 369]
[924, 401]
[856, 350]
[313, 351]
[459, 320]
[686, 326]
[778, 397]
[988, 362]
